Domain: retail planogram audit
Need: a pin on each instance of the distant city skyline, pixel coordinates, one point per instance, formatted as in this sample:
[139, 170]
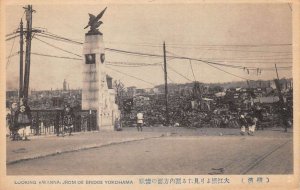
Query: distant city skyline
[232, 34]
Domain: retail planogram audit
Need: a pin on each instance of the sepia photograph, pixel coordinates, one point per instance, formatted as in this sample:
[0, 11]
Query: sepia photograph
[149, 89]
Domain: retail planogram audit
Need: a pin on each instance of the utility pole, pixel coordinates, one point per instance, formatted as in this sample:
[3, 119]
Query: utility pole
[276, 72]
[29, 11]
[283, 109]
[21, 61]
[277, 83]
[166, 85]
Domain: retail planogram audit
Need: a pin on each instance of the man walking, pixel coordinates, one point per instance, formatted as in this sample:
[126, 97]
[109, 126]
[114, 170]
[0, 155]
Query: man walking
[140, 121]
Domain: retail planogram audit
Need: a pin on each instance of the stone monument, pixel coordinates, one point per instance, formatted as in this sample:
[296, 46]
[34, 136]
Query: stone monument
[96, 94]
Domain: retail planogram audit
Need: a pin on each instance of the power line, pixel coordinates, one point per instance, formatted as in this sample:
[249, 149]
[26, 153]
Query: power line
[53, 38]
[220, 69]
[135, 64]
[133, 53]
[179, 73]
[192, 70]
[116, 65]
[251, 58]
[10, 34]
[55, 56]
[228, 72]
[256, 56]
[230, 45]
[161, 66]
[10, 55]
[61, 38]
[10, 38]
[234, 50]
[134, 44]
[155, 55]
[57, 47]
[218, 63]
[180, 57]
[131, 76]
[251, 61]
[174, 44]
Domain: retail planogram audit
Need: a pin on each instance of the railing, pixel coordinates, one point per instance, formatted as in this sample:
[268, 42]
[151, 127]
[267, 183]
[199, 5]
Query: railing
[51, 121]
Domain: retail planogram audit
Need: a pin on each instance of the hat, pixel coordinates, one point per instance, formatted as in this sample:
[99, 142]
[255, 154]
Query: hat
[242, 116]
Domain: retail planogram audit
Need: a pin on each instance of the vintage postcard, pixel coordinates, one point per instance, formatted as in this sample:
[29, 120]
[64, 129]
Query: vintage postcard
[150, 94]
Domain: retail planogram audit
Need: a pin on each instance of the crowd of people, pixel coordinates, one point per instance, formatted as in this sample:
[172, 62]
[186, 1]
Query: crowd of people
[21, 121]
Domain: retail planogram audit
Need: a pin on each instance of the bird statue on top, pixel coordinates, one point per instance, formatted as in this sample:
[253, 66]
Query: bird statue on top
[94, 23]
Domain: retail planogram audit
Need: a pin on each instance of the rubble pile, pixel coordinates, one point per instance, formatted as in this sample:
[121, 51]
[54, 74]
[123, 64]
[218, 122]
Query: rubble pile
[210, 111]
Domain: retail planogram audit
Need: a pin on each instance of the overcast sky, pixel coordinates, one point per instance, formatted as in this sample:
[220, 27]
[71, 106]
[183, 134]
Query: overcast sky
[186, 29]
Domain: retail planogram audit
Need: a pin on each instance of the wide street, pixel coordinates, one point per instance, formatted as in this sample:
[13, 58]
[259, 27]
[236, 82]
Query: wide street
[166, 151]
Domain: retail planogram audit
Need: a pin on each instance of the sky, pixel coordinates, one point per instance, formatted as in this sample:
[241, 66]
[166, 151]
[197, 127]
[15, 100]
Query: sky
[248, 35]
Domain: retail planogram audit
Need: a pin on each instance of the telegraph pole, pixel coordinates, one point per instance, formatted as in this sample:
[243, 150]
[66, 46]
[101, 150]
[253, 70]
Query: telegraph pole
[21, 61]
[29, 11]
[277, 83]
[276, 72]
[166, 85]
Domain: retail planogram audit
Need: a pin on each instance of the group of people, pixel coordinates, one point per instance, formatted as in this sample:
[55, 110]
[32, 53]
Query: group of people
[20, 121]
[248, 121]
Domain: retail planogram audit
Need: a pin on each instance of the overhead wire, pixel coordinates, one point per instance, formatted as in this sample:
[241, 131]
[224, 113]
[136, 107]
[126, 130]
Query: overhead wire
[55, 56]
[221, 69]
[179, 73]
[167, 75]
[155, 55]
[10, 38]
[228, 72]
[10, 53]
[192, 70]
[61, 37]
[53, 38]
[134, 63]
[210, 63]
[14, 38]
[132, 76]
[56, 47]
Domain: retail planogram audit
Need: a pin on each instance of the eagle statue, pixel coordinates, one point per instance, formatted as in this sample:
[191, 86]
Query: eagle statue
[94, 23]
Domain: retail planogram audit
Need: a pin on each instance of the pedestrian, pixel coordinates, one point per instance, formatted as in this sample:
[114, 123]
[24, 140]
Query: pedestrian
[117, 125]
[13, 127]
[243, 124]
[24, 119]
[68, 119]
[285, 118]
[56, 123]
[140, 121]
[258, 113]
[251, 120]
[35, 125]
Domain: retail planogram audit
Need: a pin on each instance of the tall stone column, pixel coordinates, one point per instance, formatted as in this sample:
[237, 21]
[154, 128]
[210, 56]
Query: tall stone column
[93, 74]
[96, 93]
